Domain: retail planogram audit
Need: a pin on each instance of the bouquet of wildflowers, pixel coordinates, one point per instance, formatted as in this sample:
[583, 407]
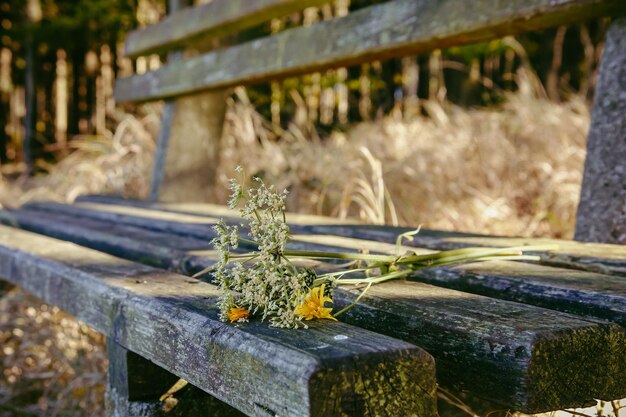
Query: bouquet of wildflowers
[267, 283]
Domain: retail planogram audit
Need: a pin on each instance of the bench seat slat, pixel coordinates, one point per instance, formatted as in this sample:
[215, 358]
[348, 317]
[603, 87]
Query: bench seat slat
[595, 257]
[394, 28]
[172, 320]
[509, 352]
[209, 20]
[195, 220]
[565, 289]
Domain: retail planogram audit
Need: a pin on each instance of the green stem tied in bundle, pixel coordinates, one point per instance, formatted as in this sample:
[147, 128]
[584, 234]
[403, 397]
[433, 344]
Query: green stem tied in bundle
[267, 282]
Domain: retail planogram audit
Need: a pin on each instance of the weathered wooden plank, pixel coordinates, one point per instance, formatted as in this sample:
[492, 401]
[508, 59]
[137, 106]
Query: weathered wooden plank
[192, 150]
[134, 386]
[565, 289]
[592, 257]
[381, 31]
[167, 119]
[601, 213]
[582, 293]
[104, 202]
[332, 369]
[210, 20]
[161, 250]
[187, 225]
[497, 349]
[197, 227]
[527, 358]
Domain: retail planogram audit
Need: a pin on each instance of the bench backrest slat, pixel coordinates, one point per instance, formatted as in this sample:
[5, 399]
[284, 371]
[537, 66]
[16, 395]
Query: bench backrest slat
[217, 18]
[381, 31]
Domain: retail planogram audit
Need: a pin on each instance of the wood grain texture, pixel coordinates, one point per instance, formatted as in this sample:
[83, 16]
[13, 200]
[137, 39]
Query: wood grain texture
[592, 257]
[206, 210]
[512, 353]
[134, 386]
[582, 293]
[565, 288]
[195, 220]
[601, 258]
[394, 28]
[217, 18]
[526, 358]
[332, 369]
[193, 148]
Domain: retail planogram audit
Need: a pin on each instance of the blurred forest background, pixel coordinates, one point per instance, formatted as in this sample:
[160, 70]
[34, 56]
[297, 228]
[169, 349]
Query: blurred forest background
[486, 138]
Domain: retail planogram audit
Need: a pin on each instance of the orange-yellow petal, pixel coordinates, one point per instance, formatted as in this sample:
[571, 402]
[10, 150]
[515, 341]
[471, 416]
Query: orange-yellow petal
[238, 314]
[312, 307]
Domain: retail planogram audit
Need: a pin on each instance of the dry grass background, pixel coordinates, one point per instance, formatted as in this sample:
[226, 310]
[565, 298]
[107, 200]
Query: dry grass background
[511, 170]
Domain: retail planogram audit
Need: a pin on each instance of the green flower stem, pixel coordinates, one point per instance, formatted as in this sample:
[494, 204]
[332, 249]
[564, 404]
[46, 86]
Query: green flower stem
[248, 241]
[343, 310]
[329, 277]
[370, 282]
[339, 255]
[461, 254]
[477, 259]
[377, 280]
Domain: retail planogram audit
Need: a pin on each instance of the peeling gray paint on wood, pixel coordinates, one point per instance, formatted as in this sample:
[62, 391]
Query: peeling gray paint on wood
[496, 349]
[172, 321]
[601, 213]
[381, 31]
[213, 19]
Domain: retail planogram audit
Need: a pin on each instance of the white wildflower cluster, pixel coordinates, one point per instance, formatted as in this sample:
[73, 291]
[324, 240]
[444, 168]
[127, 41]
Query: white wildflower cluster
[266, 282]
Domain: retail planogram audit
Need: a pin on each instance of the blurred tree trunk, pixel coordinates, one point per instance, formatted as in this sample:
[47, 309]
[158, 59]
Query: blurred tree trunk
[5, 97]
[73, 114]
[33, 13]
[48, 110]
[60, 102]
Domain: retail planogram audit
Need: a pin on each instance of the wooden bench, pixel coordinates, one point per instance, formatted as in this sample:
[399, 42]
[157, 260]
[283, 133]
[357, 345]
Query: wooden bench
[515, 353]
[530, 337]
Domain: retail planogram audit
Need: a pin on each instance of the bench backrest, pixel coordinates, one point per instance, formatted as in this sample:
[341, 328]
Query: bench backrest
[386, 30]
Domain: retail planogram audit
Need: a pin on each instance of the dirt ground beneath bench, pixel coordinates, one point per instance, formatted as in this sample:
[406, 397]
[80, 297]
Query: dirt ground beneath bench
[515, 170]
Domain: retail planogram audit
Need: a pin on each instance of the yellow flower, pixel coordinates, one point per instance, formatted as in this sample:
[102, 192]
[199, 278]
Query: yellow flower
[238, 314]
[312, 307]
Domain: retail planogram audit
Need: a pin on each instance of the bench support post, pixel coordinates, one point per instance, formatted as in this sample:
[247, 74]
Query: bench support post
[185, 163]
[134, 386]
[602, 210]
[188, 150]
